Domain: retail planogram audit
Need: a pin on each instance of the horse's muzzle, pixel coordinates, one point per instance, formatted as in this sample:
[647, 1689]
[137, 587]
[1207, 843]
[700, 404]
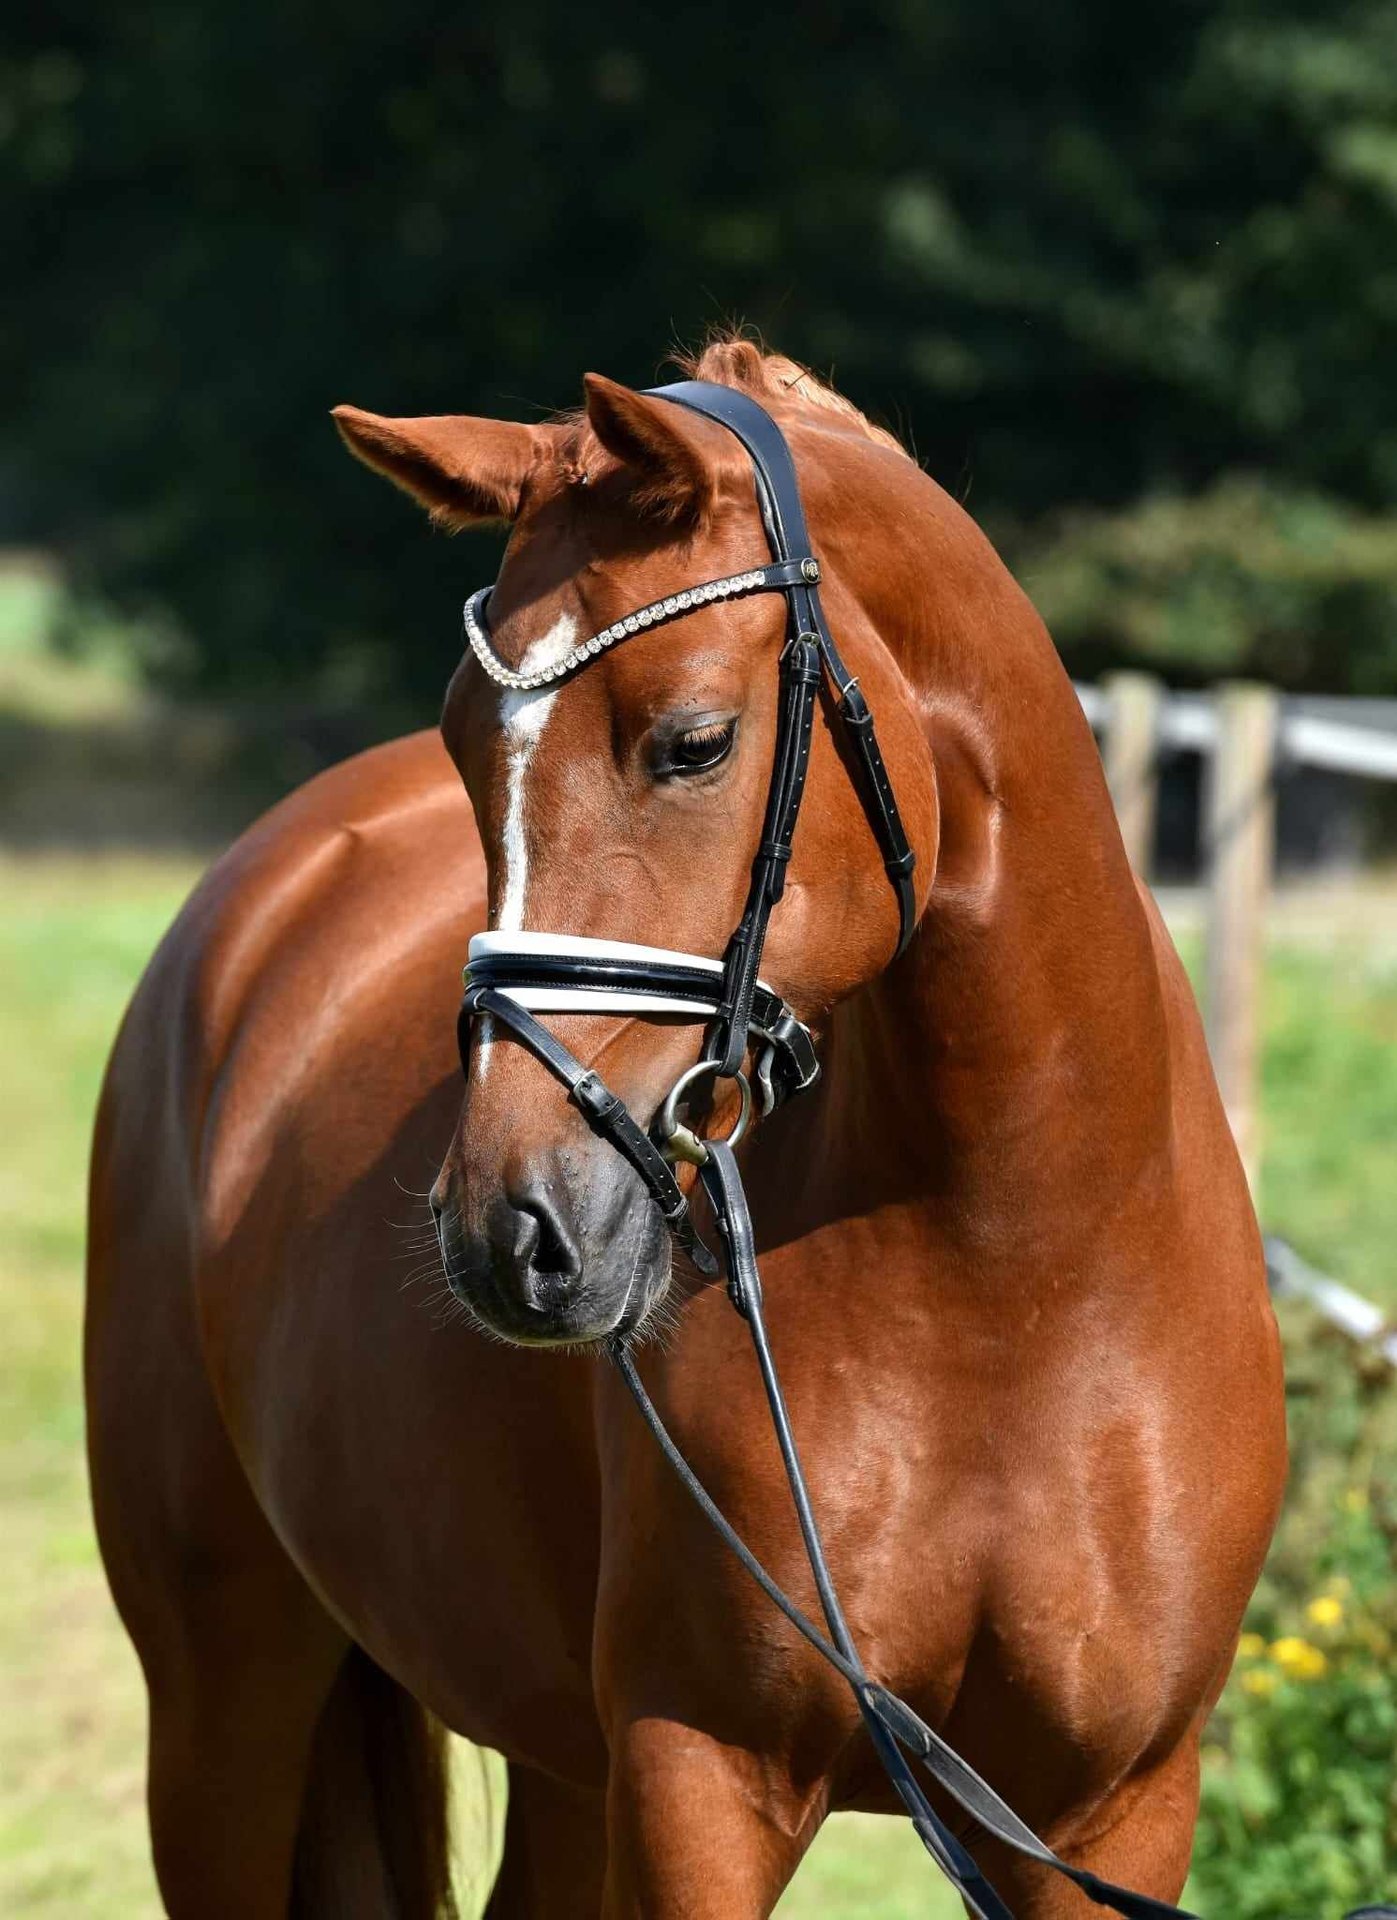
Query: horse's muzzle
[544, 1260]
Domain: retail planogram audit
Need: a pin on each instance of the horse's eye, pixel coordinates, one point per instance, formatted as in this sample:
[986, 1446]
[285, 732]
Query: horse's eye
[702, 748]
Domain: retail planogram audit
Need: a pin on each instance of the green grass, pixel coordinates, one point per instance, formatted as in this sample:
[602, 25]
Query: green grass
[73, 936]
[1329, 1088]
[1329, 1099]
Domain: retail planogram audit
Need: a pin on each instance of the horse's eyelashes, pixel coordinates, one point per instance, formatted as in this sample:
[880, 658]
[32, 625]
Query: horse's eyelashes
[702, 748]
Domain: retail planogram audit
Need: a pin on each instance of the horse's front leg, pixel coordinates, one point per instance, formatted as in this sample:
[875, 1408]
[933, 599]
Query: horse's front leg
[723, 1735]
[698, 1830]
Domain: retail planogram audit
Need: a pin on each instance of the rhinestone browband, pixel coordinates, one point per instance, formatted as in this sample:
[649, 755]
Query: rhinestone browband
[732, 587]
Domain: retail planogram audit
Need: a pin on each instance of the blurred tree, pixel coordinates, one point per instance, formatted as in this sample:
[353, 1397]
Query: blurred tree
[1127, 279]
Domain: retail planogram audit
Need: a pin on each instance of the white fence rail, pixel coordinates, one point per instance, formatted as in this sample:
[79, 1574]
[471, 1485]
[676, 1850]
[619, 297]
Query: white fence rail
[1342, 749]
[1188, 721]
[1340, 1305]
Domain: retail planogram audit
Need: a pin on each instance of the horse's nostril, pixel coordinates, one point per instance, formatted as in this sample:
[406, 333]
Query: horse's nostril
[544, 1242]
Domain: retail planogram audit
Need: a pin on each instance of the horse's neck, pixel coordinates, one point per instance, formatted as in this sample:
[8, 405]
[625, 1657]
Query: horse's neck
[1010, 1074]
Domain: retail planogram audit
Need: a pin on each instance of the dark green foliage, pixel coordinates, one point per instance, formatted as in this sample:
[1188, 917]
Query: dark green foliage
[1127, 277]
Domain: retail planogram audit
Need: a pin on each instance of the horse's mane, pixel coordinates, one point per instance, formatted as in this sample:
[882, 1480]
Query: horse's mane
[733, 359]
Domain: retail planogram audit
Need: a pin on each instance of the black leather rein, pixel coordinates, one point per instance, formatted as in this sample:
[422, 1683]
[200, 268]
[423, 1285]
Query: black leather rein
[511, 978]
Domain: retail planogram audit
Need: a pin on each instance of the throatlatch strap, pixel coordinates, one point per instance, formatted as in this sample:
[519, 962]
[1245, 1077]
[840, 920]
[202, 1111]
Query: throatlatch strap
[892, 1724]
[800, 679]
[783, 517]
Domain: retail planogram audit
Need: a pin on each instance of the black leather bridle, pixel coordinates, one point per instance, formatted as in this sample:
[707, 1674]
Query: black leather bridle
[504, 974]
[566, 973]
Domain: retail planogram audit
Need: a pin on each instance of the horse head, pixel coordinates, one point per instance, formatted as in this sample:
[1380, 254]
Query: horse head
[626, 802]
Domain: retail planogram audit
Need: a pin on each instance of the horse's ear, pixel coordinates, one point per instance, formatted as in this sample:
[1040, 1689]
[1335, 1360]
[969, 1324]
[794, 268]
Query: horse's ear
[462, 469]
[674, 457]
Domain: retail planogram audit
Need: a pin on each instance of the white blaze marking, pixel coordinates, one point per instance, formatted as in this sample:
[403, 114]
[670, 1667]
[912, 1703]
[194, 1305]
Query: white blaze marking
[523, 717]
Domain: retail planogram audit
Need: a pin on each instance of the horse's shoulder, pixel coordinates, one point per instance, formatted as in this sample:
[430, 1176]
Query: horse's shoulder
[398, 808]
[367, 879]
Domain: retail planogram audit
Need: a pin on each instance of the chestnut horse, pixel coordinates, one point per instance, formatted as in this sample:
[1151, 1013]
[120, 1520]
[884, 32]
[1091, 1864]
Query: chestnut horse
[1011, 1268]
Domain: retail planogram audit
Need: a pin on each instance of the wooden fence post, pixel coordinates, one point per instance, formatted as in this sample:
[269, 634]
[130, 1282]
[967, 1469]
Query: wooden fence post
[1132, 760]
[1239, 844]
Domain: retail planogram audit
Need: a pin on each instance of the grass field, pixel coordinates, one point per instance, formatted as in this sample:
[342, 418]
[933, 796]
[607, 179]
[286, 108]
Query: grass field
[73, 936]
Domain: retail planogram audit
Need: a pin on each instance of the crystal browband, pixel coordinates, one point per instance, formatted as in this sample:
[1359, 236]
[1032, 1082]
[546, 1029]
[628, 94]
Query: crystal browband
[777, 577]
[574, 973]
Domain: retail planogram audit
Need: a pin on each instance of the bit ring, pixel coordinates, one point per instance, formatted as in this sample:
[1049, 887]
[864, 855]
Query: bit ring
[678, 1142]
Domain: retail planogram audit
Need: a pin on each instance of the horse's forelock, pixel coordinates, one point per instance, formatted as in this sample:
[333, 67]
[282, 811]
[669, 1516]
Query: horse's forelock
[736, 360]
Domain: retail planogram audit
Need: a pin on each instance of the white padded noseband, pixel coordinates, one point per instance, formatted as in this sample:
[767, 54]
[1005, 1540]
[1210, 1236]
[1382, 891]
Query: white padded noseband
[583, 999]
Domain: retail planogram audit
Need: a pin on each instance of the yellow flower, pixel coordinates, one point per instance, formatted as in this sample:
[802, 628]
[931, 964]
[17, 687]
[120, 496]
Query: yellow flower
[1297, 1658]
[1251, 1646]
[1260, 1681]
[1326, 1611]
[1355, 1500]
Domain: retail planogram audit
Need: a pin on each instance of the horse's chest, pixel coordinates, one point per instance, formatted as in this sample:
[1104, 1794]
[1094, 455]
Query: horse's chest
[1022, 1586]
[1048, 1680]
